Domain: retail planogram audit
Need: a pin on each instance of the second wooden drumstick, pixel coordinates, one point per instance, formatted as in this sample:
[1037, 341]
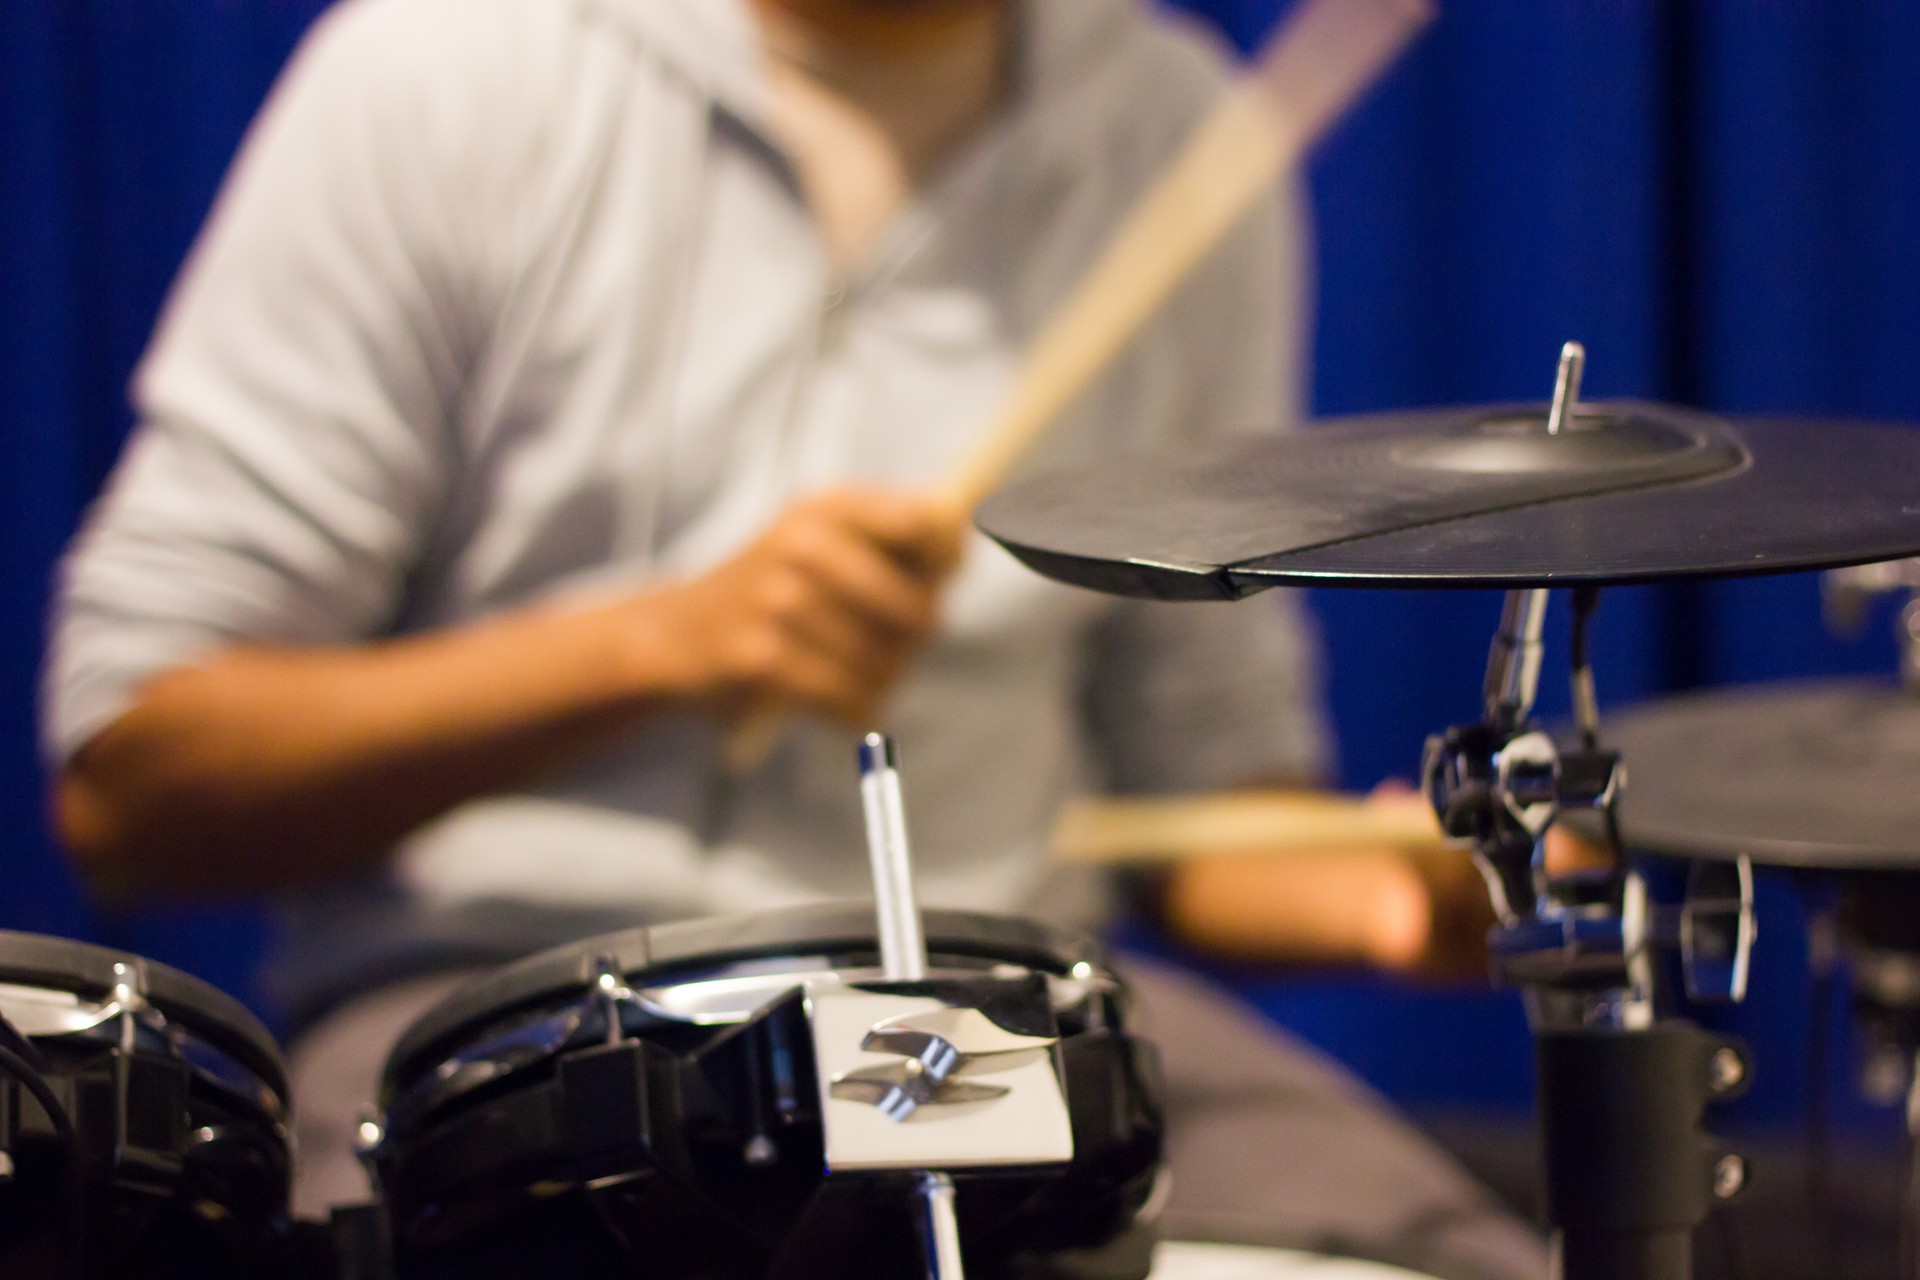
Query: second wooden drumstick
[1143, 831]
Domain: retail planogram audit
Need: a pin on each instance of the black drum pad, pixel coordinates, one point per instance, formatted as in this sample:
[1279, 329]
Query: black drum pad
[1822, 773]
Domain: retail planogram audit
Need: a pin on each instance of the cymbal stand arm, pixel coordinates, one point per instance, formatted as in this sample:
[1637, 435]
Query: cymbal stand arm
[1513, 663]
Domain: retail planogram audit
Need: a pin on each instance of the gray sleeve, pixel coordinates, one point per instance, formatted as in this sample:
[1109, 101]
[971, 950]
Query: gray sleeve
[1185, 697]
[293, 447]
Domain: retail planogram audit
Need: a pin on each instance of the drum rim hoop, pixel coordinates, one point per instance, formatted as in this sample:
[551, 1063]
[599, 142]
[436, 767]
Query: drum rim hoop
[716, 940]
[86, 969]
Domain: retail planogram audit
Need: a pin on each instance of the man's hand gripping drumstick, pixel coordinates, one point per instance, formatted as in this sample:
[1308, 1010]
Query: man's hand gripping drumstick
[1311, 70]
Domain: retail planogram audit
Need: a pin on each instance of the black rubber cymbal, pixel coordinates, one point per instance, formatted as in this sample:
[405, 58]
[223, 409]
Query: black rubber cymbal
[1809, 774]
[1479, 497]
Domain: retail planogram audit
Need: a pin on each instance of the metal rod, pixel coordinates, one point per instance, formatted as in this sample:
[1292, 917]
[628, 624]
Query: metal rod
[1513, 664]
[1566, 386]
[903, 947]
[943, 1229]
[1586, 698]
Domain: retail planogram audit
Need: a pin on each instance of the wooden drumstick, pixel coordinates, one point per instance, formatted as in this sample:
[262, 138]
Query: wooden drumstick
[1310, 70]
[1308, 73]
[1141, 831]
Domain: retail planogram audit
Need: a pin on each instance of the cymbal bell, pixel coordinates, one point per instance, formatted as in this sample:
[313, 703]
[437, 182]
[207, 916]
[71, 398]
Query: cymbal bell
[1476, 497]
[1818, 774]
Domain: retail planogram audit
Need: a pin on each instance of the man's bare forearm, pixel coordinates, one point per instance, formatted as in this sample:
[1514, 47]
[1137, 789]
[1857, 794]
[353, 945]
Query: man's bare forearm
[267, 768]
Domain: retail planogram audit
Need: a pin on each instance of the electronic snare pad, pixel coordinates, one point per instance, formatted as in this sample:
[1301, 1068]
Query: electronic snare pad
[845, 1091]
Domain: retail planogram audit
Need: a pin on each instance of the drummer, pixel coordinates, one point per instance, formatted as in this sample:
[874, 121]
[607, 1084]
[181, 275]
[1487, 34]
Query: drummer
[553, 388]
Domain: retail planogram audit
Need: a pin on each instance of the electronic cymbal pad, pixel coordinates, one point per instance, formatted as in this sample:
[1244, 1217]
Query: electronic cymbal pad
[1476, 497]
[1820, 774]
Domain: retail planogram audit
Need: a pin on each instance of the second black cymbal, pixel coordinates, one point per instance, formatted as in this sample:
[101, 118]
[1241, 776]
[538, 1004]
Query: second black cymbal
[1477, 498]
[1822, 774]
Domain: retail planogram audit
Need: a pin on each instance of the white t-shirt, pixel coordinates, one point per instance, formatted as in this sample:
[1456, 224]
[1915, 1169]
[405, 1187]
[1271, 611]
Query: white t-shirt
[509, 298]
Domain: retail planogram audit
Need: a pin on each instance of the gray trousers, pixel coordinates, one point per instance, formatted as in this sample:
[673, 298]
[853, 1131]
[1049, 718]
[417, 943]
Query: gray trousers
[1269, 1142]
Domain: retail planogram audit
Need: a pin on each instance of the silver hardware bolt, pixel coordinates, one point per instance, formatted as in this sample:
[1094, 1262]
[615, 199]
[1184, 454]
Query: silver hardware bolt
[1725, 1070]
[1566, 387]
[368, 1135]
[1729, 1175]
[128, 987]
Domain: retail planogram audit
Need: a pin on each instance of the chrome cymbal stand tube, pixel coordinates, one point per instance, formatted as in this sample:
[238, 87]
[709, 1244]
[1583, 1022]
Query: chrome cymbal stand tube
[903, 958]
[1629, 1174]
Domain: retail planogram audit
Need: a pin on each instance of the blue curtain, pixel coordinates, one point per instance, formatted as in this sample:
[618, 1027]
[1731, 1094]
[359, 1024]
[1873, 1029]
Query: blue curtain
[1721, 199]
[117, 119]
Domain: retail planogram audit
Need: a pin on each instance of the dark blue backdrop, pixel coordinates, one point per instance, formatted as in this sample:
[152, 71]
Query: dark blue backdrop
[1721, 199]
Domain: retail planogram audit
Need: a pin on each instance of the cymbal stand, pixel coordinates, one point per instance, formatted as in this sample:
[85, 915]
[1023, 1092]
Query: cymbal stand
[1628, 1172]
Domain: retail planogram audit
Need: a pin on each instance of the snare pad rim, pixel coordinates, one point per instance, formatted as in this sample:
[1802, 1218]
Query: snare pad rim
[647, 954]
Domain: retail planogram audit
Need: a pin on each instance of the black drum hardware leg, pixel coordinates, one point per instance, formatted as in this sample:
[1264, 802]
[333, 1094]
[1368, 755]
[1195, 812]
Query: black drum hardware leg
[1628, 1172]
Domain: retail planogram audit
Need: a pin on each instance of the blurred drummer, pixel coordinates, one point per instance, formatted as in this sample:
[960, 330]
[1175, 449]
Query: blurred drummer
[554, 386]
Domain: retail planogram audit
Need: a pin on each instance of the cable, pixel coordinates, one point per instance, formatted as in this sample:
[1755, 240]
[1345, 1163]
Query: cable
[17, 1065]
[30, 1078]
